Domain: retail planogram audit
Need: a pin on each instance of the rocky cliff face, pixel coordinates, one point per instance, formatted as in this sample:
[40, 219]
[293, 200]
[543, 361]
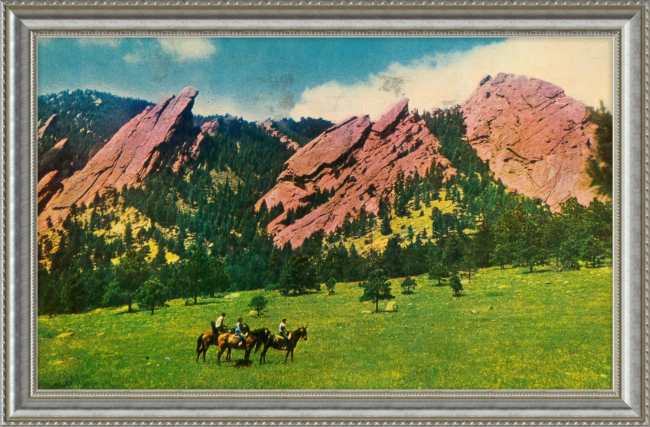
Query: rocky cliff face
[43, 129]
[136, 149]
[190, 150]
[536, 139]
[49, 173]
[269, 127]
[356, 162]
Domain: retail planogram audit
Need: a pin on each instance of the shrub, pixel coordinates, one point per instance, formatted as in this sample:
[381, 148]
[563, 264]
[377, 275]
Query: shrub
[330, 285]
[272, 287]
[258, 303]
[151, 295]
[408, 285]
[456, 285]
[377, 288]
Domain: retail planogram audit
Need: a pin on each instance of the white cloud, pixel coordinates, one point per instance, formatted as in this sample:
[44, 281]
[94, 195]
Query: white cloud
[188, 49]
[99, 41]
[581, 66]
[133, 58]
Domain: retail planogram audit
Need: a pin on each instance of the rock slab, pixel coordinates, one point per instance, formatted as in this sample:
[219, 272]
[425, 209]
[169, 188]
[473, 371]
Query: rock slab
[269, 127]
[357, 161]
[133, 152]
[536, 139]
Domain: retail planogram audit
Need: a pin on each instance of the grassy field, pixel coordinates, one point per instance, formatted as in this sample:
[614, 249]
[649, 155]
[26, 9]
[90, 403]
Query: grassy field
[510, 330]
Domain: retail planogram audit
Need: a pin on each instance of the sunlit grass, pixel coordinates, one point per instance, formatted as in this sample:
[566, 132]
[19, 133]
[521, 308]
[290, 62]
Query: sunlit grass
[510, 330]
[418, 222]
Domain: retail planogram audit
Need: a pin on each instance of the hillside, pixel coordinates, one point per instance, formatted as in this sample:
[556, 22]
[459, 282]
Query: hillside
[407, 194]
[87, 119]
[546, 330]
[348, 169]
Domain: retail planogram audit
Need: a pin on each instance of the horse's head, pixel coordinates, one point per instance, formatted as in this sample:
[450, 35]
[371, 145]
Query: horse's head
[303, 333]
[245, 328]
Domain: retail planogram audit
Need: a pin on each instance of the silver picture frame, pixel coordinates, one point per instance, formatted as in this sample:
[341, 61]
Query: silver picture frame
[627, 22]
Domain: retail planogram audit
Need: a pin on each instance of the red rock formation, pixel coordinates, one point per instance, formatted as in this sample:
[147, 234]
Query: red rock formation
[134, 151]
[191, 151]
[537, 140]
[48, 187]
[356, 160]
[269, 127]
[46, 125]
[53, 158]
[49, 174]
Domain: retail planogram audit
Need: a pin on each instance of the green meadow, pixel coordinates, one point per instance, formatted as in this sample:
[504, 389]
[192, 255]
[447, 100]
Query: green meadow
[509, 330]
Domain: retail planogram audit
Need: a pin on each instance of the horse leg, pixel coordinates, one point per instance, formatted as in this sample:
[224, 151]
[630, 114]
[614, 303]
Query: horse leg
[292, 355]
[219, 355]
[205, 350]
[228, 354]
[286, 356]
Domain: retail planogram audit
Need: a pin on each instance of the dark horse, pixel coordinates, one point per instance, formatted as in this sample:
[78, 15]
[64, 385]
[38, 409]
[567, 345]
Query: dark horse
[254, 339]
[207, 339]
[277, 343]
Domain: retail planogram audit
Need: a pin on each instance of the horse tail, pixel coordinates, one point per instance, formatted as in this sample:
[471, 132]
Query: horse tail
[199, 343]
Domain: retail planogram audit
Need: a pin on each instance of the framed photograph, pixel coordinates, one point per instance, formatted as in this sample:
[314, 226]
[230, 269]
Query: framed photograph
[325, 213]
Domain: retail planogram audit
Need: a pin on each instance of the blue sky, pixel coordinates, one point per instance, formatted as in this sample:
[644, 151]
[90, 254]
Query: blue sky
[277, 77]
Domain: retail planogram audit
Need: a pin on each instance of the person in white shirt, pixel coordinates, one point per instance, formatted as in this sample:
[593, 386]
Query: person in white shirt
[283, 331]
[221, 327]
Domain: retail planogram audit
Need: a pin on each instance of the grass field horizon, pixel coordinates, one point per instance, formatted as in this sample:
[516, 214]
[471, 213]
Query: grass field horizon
[509, 330]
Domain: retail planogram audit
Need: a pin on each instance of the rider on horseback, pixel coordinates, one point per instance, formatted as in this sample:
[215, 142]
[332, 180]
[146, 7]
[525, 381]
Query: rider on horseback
[239, 332]
[283, 331]
[221, 327]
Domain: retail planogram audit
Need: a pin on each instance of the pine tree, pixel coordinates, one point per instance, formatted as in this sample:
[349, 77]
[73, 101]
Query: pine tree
[386, 229]
[438, 272]
[330, 284]
[600, 167]
[151, 295]
[129, 275]
[298, 275]
[376, 288]
[408, 285]
[456, 285]
[258, 303]
[128, 236]
[160, 258]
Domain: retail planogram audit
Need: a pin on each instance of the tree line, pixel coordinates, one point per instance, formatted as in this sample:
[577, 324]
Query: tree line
[205, 216]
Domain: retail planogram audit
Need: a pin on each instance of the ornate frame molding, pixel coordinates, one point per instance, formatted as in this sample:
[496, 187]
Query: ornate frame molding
[627, 22]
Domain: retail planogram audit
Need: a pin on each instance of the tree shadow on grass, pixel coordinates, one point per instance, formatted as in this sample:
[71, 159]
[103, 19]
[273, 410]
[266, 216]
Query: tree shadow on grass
[540, 271]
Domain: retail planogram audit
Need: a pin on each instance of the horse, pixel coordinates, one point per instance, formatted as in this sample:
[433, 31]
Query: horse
[277, 343]
[254, 339]
[206, 340]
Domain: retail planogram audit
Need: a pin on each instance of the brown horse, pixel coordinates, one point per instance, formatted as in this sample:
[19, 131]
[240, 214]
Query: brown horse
[277, 343]
[254, 339]
[206, 340]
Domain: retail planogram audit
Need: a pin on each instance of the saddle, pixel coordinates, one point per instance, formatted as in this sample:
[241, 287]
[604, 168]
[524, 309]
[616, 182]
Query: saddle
[234, 341]
[280, 339]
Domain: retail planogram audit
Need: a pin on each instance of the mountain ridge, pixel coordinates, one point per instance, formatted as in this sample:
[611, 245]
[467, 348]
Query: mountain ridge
[356, 162]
